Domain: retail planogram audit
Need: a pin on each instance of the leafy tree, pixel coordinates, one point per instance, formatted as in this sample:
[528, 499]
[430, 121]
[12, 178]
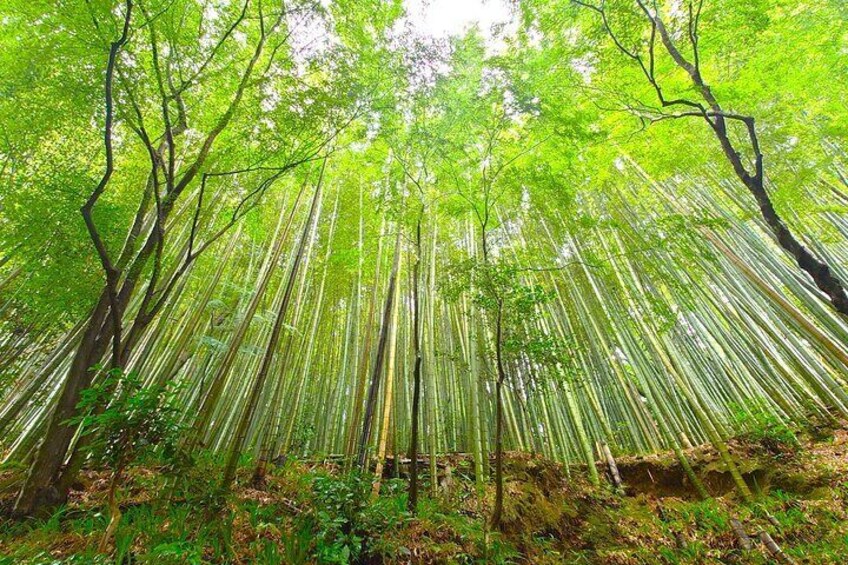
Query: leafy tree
[742, 150]
[513, 308]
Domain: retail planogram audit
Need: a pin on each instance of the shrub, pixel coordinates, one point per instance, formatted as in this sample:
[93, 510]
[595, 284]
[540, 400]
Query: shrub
[123, 420]
[766, 429]
[344, 517]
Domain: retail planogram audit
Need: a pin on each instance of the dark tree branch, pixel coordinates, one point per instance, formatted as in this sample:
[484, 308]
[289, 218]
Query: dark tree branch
[715, 116]
[112, 273]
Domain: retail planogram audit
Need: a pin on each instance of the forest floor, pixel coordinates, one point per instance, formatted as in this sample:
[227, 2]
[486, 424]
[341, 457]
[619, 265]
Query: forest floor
[312, 513]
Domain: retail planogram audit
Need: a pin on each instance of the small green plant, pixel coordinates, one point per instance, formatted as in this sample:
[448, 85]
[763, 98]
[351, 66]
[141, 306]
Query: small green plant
[344, 516]
[338, 509]
[296, 545]
[123, 420]
[766, 429]
[708, 515]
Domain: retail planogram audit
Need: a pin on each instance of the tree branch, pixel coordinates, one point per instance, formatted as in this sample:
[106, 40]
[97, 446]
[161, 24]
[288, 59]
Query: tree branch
[111, 272]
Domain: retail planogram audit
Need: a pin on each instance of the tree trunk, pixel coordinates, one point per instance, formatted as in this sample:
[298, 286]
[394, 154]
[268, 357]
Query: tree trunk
[371, 403]
[818, 270]
[350, 439]
[388, 400]
[412, 501]
[499, 420]
[114, 510]
[216, 386]
[39, 490]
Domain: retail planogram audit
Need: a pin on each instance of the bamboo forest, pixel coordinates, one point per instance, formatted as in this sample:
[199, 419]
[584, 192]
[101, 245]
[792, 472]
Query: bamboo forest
[424, 281]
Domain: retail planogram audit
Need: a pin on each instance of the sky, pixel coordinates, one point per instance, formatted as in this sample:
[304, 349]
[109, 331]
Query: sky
[440, 18]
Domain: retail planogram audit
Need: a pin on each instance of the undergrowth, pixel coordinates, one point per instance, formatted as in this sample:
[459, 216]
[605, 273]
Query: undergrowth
[317, 514]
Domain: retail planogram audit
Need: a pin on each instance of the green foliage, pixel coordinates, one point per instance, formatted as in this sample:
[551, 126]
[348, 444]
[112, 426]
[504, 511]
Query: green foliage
[707, 515]
[500, 286]
[344, 515]
[125, 419]
[556, 207]
[763, 427]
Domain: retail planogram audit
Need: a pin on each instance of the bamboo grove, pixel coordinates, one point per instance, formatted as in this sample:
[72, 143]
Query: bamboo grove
[334, 237]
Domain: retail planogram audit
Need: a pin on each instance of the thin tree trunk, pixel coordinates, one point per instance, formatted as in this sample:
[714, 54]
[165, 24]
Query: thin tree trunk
[270, 349]
[114, 510]
[388, 395]
[497, 513]
[371, 403]
[216, 387]
[412, 501]
[350, 442]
